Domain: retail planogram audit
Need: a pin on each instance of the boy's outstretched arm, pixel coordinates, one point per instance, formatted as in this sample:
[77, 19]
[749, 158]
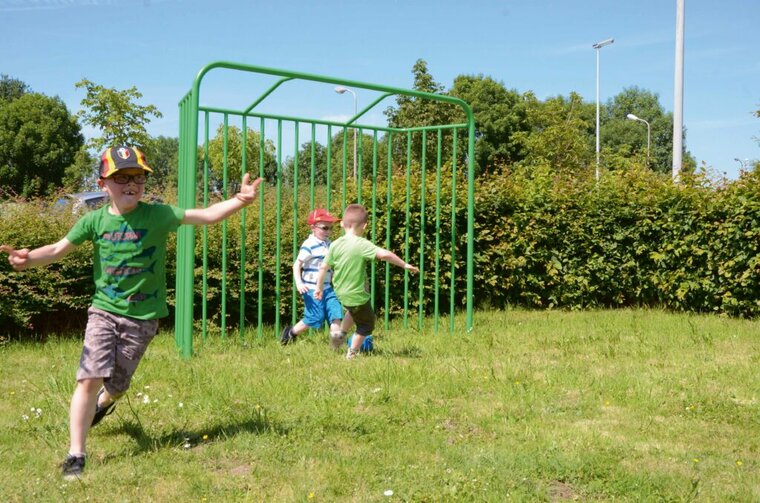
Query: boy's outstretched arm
[44, 255]
[219, 211]
[321, 280]
[394, 259]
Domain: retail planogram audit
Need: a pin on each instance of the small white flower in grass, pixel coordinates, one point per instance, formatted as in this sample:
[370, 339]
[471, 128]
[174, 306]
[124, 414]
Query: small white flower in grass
[146, 399]
[25, 417]
[139, 394]
[388, 492]
[181, 405]
[147, 386]
[38, 412]
[155, 400]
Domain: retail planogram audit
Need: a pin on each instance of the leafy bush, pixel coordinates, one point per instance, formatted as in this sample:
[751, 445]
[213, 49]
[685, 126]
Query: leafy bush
[542, 240]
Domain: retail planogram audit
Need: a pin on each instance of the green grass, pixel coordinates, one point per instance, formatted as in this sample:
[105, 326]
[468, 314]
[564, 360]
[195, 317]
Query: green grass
[632, 405]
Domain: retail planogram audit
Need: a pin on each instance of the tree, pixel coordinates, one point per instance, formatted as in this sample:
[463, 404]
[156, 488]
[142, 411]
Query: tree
[560, 134]
[622, 138]
[116, 114]
[11, 89]
[163, 157]
[39, 139]
[235, 156]
[499, 113]
[414, 112]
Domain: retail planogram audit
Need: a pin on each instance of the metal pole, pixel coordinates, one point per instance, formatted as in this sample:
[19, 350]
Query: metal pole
[678, 93]
[597, 113]
[598, 46]
[341, 90]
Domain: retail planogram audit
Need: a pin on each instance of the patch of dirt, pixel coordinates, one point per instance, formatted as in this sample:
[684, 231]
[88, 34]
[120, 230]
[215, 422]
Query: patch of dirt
[560, 491]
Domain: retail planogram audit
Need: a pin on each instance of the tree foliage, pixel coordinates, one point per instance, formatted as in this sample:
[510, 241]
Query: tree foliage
[234, 154]
[559, 136]
[116, 114]
[11, 89]
[39, 139]
[624, 140]
[499, 114]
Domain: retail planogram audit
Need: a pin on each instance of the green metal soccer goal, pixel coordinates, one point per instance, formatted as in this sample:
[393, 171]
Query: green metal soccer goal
[417, 183]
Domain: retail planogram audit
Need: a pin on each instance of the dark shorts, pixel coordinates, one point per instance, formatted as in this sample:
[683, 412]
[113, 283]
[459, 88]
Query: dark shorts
[113, 347]
[364, 317]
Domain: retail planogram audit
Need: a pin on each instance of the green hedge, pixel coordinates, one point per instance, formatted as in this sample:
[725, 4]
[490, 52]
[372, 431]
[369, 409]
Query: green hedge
[542, 241]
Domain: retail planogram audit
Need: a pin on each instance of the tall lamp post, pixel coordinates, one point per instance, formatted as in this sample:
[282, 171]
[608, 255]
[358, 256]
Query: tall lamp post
[649, 131]
[341, 90]
[598, 46]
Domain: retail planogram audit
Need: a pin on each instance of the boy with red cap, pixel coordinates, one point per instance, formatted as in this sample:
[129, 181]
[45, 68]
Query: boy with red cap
[305, 270]
[129, 245]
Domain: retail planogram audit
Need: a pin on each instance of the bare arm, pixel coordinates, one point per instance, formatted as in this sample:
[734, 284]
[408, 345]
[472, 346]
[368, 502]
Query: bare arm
[219, 211]
[394, 259]
[323, 267]
[44, 255]
[297, 265]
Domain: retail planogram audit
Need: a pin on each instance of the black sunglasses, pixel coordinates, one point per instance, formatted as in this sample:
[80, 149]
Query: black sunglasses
[125, 179]
[324, 227]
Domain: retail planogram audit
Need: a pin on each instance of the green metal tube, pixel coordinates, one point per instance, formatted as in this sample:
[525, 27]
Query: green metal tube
[452, 290]
[423, 187]
[243, 262]
[294, 298]
[225, 169]
[437, 228]
[278, 227]
[204, 301]
[389, 177]
[260, 285]
[406, 225]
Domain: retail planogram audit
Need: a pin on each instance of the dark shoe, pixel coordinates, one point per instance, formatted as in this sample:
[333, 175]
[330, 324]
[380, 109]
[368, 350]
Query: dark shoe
[72, 467]
[287, 336]
[101, 412]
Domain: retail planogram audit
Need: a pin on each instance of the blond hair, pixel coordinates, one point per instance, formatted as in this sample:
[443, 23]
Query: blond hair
[355, 215]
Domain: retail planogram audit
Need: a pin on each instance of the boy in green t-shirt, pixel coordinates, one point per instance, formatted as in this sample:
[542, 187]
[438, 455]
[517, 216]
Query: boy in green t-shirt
[347, 256]
[129, 270]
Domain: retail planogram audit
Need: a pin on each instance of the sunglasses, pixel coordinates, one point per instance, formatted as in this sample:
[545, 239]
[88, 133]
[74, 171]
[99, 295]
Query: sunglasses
[125, 179]
[324, 227]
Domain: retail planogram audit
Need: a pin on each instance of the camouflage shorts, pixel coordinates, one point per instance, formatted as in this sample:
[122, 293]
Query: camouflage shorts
[113, 346]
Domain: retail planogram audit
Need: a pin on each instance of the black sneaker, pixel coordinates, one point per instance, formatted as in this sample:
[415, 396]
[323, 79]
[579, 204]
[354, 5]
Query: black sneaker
[101, 412]
[287, 336]
[72, 467]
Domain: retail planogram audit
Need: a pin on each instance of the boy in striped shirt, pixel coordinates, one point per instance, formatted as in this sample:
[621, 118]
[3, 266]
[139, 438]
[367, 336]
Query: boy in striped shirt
[305, 272]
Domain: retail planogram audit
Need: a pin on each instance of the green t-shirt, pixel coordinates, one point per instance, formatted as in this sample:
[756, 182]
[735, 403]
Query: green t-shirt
[347, 256]
[129, 265]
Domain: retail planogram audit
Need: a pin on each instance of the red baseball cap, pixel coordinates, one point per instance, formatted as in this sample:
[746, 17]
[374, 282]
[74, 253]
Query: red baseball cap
[321, 215]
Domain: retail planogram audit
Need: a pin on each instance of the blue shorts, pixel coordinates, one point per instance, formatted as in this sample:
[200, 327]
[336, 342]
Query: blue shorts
[316, 312]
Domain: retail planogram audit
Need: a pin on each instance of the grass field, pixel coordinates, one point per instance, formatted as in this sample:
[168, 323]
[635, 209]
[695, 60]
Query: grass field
[632, 405]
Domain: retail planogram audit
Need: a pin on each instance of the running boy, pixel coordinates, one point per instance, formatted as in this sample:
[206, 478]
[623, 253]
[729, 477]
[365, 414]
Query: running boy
[305, 271]
[129, 244]
[347, 256]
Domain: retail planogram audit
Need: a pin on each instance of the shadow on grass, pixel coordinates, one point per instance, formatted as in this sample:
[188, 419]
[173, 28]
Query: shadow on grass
[183, 438]
[405, 352]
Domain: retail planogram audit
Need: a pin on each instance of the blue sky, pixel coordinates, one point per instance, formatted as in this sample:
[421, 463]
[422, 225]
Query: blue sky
[542, 46]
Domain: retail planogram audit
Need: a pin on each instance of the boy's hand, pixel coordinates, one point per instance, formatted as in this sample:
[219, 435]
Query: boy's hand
[248, 190]
[318, 294]
[302, 289]
[16, 258]
[411, 268]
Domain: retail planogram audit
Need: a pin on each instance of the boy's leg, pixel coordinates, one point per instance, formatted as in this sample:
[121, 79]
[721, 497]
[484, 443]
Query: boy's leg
[333, 311]
[311, 318]
[364, 316]
[81, 412]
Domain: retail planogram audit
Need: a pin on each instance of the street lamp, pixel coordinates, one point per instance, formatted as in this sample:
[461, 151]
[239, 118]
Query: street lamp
[649, 131]
[598, 46]
[341, 90]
